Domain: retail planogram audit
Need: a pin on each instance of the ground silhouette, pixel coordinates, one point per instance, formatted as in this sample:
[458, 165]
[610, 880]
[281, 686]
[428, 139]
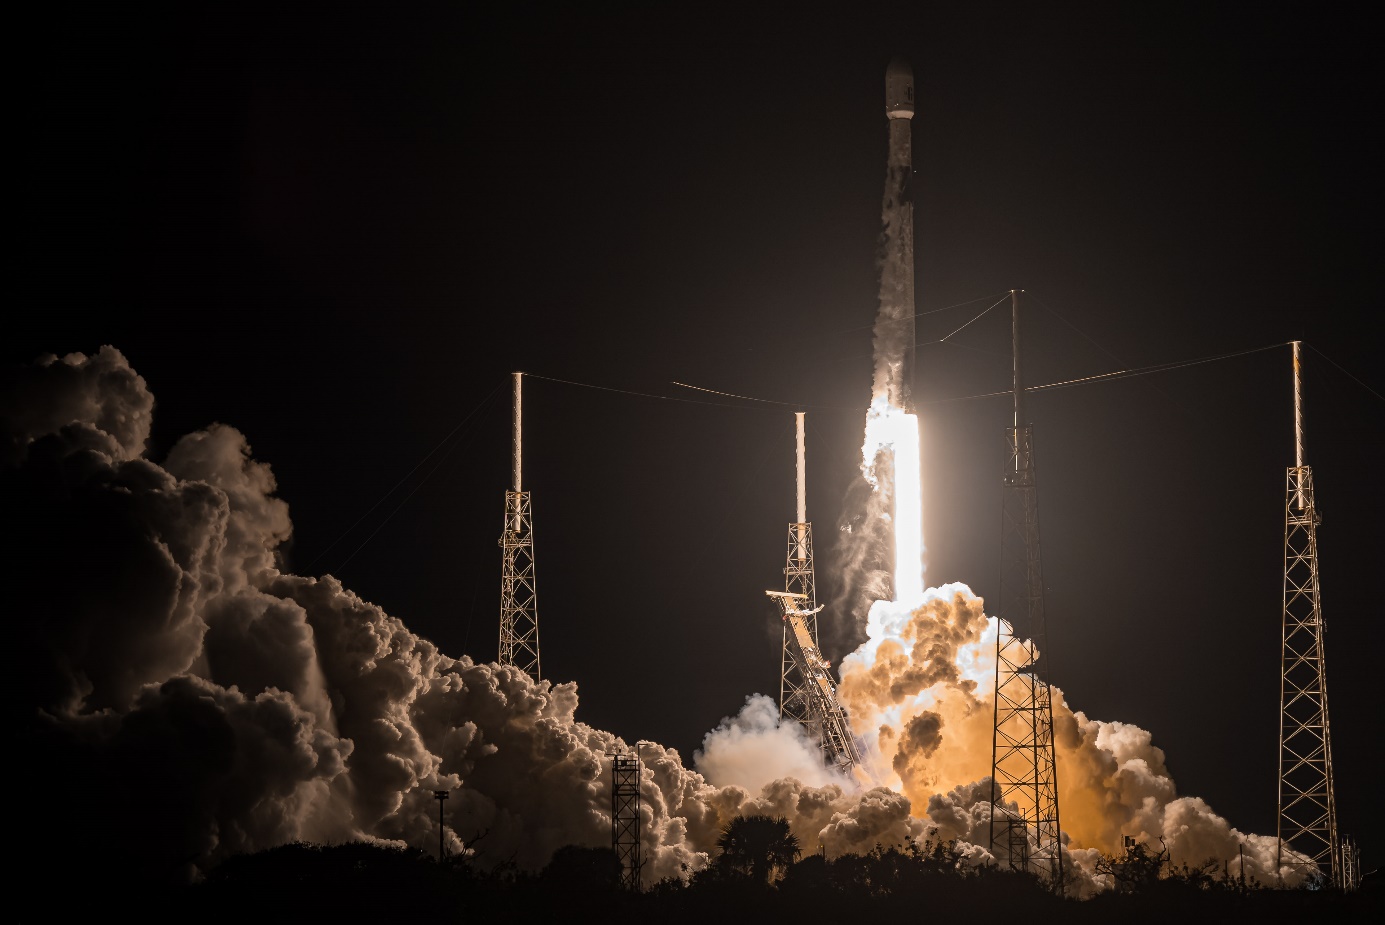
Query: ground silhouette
[758, 872]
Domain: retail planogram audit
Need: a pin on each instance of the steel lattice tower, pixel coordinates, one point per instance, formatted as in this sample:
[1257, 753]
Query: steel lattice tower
[825, 719]
[1351, 864]
[519, 614]
[625, 818]
[1023, 761]
[1307, 806]
[798, 579]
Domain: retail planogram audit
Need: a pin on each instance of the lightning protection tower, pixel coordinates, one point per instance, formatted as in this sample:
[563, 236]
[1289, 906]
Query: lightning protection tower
[824, 719]
[798, 579]
[625, 818]
[1023, 763]
[519, 614]
[1307, 805]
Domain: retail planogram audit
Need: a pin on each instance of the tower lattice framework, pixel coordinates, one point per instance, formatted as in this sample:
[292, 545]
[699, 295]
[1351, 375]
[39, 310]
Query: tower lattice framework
[1351, 864]
[794, 699]
[1024, 826]
[807, 694]
[825, 718]
[519, 613]
[1307, 804]
[625, 818]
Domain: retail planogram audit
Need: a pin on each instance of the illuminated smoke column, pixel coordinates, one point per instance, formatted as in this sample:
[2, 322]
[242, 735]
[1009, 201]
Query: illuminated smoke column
[880, 555]
[888, 428]
[893, 431]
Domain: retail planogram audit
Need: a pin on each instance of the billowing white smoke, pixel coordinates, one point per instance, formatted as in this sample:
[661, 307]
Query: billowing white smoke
[211, 704]
[752, 749]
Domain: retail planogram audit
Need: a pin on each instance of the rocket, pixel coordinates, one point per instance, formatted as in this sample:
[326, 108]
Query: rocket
[899, 95]
[894, 328]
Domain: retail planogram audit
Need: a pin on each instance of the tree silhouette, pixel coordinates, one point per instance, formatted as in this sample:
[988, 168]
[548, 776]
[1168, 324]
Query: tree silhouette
[1139, 869]
[759, 847]
[575, 868]
[357, 881]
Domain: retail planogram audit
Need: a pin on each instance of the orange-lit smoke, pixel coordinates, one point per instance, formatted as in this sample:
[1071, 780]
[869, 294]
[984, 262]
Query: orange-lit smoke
[920, 694]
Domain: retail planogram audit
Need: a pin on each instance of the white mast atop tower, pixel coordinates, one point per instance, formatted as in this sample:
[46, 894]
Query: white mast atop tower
[519, 615]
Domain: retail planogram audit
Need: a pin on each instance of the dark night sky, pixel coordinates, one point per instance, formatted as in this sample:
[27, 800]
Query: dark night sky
[339, 232]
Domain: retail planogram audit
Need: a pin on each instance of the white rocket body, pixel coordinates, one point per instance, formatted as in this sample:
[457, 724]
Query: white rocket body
[894, 337]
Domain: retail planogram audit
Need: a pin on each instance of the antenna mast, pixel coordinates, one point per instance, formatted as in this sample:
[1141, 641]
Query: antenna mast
[519, 615]
[1023, 761]
[1307, 831]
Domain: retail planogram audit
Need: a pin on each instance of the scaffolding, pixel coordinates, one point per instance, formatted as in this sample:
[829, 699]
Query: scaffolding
[1024, 826]
[625, 818]
[798, 579]
[826, 720]
[1307, 833]
[519, 613]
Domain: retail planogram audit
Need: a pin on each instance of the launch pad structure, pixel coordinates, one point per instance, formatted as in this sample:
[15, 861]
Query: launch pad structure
[806, 691]
[824, 717]
[1023, 760]
[519, 613]
[1307, 827]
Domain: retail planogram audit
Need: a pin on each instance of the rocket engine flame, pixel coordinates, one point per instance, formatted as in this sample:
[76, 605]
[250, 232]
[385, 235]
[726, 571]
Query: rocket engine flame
[893, 430]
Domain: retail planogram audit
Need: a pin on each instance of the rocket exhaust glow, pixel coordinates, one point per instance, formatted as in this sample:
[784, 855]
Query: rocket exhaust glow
[890, 429]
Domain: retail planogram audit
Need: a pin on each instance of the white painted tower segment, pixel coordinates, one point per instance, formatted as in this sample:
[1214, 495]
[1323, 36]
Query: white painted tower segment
[802, 486]
[517, 432]
[1298, 407]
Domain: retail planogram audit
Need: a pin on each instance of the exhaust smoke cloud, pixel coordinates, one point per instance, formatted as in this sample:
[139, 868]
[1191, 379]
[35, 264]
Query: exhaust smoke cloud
[211, 703]
[214, 704]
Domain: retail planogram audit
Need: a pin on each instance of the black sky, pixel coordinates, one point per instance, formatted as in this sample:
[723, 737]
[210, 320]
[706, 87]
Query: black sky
[339, 231]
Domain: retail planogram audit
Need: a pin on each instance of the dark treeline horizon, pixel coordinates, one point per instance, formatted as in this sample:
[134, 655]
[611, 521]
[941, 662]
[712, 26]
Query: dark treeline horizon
[361, 879]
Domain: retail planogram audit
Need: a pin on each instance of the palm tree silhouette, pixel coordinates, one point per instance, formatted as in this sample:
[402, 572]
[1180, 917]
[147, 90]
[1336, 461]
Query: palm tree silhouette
[758, 846]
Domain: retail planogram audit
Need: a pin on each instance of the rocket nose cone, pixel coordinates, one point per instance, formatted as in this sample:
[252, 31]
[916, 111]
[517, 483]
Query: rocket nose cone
[899, 89]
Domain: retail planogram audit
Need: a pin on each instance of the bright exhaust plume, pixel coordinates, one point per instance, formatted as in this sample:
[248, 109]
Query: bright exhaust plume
[893, 431]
